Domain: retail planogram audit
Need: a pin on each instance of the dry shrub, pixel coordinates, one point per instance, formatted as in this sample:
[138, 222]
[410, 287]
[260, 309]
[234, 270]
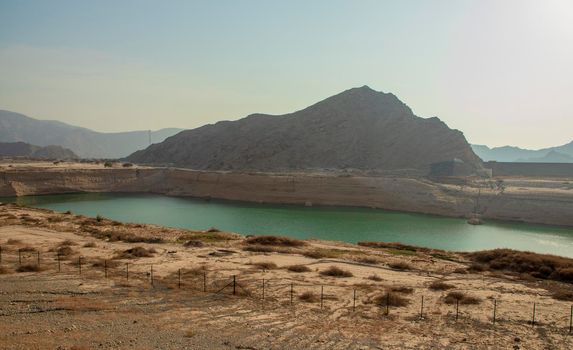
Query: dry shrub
[4, 270]
[400, 265]
[194, 243]
[90, 245]
[439, 285]
[393, 245]
[314, 254]
[27, 249]
[402, 289]
[461, 271]
[334, 271]
[67, 242]
[275, 241]
[375, 278]
[65, 251]
[563, 294]
[13, 241]
[136, 252]
[298, 268]
[542, 266]
[29, 268]
[265, 265]
[308, 297]
[213, 229]
[390, 299]
[462, 298]
[368, 260]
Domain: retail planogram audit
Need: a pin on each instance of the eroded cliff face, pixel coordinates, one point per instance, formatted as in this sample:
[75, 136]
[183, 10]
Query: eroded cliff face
[546, 204]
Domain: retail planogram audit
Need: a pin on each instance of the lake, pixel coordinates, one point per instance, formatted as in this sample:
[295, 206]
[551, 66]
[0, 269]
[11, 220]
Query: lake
[331, 223]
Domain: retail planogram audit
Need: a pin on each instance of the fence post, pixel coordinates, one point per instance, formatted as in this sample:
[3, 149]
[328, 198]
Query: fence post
[151, 274]
[38, 258]
[127, 271]
[204, 282]
[179, 278]
[321, 296]
[0, 254]
[494, 309]
[291, 292]
[354, 301]
[571, 321]
[19, 256]
[80, 264]
[105, 268]
[387, 303]
[422, 308]
[457, 308]
[234, 284]
[59, 267]
[263, 289]
[533, 316]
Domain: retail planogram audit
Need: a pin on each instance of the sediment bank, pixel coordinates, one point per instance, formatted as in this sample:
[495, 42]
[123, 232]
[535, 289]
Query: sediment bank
[528, 200]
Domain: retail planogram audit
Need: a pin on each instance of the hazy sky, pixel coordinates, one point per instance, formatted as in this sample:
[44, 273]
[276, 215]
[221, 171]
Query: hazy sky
[501, 71]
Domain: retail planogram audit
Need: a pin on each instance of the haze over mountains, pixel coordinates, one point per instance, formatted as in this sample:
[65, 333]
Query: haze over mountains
[86, 143]
[22, 149]
[357, 129]
[559, 154]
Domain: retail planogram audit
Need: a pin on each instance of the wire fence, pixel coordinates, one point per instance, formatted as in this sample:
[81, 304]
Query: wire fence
[273, 290]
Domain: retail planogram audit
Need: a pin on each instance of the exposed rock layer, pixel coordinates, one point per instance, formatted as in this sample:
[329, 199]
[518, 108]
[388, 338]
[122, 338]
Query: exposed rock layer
[521, 201]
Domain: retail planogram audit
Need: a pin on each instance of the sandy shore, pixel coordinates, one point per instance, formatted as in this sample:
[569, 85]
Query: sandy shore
[48, 309]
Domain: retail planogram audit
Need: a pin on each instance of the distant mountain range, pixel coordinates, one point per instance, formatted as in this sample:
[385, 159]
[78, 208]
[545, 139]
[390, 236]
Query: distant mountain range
[22, 149]
[559, 154]
[357, 129]
[86, 143]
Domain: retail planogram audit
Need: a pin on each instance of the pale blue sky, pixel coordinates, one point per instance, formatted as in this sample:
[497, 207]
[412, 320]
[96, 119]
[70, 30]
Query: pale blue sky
[500, 71]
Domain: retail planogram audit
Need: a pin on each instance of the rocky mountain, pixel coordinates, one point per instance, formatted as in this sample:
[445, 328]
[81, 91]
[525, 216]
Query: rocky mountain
[22, 149]
[357, 129]
[559, 154]
[86, 143]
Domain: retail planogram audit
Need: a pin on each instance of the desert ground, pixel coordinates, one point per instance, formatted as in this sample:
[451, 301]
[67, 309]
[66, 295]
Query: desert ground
[74, 282]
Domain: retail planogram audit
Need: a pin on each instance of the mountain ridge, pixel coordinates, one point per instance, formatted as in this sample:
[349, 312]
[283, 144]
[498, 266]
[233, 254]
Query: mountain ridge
[359, 128]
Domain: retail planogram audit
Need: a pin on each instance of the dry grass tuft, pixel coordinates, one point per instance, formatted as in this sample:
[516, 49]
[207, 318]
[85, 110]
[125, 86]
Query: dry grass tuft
[29, 268]
[439, 285]
[334, 271]
[136, 252]
[90, 245]
[368, 260]
[375, 278]
[13, 241]
[462, 298]
[542, 266]
[265, 265]
[275, 241]
[400, 265]
[402, 289]
[298, 268]
[194, 243]
[390, 299]
[309, 297]
[4, 270]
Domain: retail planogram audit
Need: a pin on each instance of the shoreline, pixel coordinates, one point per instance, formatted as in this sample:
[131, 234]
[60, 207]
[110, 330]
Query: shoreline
[371, 270]
[534, 201]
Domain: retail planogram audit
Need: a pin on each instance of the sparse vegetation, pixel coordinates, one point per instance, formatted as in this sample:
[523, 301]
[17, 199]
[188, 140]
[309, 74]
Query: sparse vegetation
[462, 298]
[542, 266]
[67, 242]
[136, 252]
[29, 268]
[375, 278]
[265, 265]
[308, 297]
[390, 299]
[334, 271]
[4, 270]
[298, 268]
[401, 289]
[13, 241]
[194, 243]
[440, 285]
[90, 245]
[368, 260]
[275, 241]
[400, 265]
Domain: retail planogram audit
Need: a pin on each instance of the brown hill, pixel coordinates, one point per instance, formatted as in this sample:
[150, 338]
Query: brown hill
[357, 129]
[22, 149]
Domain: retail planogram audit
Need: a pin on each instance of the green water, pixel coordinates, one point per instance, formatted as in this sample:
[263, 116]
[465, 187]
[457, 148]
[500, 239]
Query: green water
[332, 223]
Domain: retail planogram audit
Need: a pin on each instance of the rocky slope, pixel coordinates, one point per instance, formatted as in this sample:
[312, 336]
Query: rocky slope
[22, 149]
[357, 129]
[86, 143]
